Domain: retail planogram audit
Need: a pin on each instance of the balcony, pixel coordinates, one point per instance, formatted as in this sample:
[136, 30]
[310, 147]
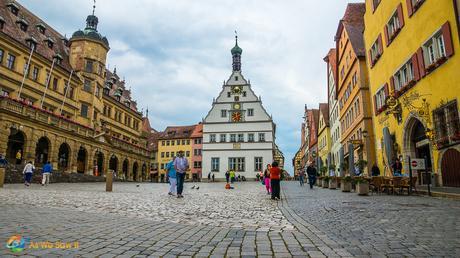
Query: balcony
[43, 116]
[127, 146]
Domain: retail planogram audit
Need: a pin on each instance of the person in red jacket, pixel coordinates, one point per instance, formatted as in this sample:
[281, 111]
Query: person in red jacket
[275, 175]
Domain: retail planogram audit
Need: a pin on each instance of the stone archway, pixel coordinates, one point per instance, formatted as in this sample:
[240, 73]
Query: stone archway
[125, 169]
[135, 172]
[81, 160]
[16, 142]
[113, 164]
[42, 150]
[63, 156]
[416, 144]
[98, 163]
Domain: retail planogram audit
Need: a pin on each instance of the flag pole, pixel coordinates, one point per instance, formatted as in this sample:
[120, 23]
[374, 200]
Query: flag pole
[25, 74]
[47, 83]
[65, 93]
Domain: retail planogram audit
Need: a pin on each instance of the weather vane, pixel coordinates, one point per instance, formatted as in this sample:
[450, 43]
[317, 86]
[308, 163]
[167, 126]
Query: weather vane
[236, 36]
[94, 6]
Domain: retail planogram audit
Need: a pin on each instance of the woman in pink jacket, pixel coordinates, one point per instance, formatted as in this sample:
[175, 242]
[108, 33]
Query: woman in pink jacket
[267, 179]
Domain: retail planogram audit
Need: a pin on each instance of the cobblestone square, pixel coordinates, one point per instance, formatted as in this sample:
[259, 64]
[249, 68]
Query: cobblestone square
[143, 221]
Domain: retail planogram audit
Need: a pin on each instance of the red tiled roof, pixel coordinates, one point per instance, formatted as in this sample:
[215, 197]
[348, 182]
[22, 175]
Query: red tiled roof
[12, 30]
[177, 132]
[331, 59]
[353, 23]
[198, 131]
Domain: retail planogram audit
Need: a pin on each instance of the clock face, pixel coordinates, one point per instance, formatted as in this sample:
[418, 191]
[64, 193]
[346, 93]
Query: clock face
[236, 117]
[236, 106]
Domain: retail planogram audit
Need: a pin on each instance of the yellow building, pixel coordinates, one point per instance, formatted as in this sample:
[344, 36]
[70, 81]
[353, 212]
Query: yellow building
[58, 101]
[413, 63]
[278, 156]
[324, 137]
[297, 163]
[353, 94]
[170, 142]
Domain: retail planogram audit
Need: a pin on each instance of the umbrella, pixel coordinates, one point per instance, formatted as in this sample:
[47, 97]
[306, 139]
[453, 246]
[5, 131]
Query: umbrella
[388, 145]
[351, 159]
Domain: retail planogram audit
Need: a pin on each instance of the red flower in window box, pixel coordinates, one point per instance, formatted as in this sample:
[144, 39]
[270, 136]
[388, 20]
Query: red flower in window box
[456, 137]
[441, 60]
[411, 83]
[442, 142]
[431, 67]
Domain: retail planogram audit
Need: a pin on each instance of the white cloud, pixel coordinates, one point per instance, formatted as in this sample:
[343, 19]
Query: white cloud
[176, 54]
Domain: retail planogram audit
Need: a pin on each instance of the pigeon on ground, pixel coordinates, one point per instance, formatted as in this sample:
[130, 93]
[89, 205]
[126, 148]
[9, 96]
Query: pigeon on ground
[193, 187]
[137, 185]
[197, 188]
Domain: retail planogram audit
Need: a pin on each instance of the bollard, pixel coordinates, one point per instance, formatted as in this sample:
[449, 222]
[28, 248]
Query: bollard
[2, 177]
[109, 181]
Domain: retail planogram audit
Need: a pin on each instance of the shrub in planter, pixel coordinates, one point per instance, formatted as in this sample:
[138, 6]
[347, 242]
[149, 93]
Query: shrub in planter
[326, 180]
[345, 184]
[333, 183]
[319, 181]
[362, 186]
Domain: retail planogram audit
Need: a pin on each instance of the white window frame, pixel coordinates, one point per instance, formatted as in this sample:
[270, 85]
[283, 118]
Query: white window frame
[393, 25]
[240, 137]
[250, 137]
[258, 163]
[404, 75]
[223, 137]
[261, 137]
[223, 113]
[237, 164]
[212, 138]
[232, 137]
[215, 164]
[380, 97]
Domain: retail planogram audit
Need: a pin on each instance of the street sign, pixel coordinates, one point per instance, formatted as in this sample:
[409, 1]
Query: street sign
[417, 164]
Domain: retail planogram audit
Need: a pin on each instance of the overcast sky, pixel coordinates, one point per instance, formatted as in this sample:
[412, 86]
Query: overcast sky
[175, 55]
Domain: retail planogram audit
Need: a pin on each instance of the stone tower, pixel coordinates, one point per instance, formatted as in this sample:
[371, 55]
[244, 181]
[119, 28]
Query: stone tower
[88, 54]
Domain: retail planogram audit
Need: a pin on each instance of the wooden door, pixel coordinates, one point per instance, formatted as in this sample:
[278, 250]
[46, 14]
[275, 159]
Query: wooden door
[450, 168]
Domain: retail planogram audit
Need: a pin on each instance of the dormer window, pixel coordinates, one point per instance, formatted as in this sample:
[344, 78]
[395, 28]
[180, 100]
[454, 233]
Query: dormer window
[50, 42]
[32, 42]
[65, 41]
[41, 28]
[58, 58]
[13, 8]
[23, 24]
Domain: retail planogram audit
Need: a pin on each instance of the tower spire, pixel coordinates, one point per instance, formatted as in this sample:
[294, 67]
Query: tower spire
[94, 6]
[236, 54]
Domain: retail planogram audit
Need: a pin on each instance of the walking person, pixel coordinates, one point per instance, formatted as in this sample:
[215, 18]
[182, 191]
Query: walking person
[213, 177]
[266, 179]
[181, 166]
[311, 172]
[275, 176]
[301, 176]
[28, 172]
[18, 157]
[172, 177]
[46, 173]
[227, 176]
[209, 177]
[3, 161]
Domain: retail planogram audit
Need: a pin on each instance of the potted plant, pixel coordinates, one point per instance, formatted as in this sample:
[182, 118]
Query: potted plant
[333, 182]
[345, 185]
[361, 164]
[326, 180]
[319, 181]
[323, 171]
[362, 186]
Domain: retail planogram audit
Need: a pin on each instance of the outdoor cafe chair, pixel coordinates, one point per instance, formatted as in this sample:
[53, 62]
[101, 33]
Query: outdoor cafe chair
[376, 184]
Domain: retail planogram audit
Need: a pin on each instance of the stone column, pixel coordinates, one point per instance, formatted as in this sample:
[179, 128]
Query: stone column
[106, 163]
[53, 151]
[30, 145]
[4, 134]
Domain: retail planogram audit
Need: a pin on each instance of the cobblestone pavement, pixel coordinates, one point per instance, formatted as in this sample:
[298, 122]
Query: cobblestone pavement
[143, 221]
[377, 225]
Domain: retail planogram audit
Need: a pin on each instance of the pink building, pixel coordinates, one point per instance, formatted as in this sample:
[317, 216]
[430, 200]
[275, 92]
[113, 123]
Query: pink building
[197, 146]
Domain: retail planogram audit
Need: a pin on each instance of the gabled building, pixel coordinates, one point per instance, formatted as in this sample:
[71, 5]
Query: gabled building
[334, 120]
[324, 140]
[353, 94]
[197, 152]
[238, 133]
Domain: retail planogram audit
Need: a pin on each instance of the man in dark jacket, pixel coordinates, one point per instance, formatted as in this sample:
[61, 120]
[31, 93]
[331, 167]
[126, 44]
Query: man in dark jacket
[311, 172]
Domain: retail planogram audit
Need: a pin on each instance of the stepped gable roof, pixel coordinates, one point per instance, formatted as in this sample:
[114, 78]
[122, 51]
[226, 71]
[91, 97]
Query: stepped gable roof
[11, 29]
[117, 88]
[315, 118]
[177, 132]
[353, 23]
[198, 131]
[324, 109]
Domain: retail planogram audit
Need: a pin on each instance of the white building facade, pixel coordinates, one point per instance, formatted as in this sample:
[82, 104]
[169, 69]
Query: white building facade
[334, 121]
[238, 133]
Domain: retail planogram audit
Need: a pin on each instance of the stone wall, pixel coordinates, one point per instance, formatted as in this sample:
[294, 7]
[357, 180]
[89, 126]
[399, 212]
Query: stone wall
[13, 175]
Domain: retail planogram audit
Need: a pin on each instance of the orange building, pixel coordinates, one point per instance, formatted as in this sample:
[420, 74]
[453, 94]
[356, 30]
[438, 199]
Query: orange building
[353, 89]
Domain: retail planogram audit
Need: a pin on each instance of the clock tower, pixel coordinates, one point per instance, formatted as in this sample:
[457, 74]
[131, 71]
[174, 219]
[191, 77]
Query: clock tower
[238, 133]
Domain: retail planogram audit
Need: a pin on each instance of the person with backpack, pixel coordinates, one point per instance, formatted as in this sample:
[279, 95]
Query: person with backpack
[181, 166]
[171, 177]
[46, 173]
[275, 178]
